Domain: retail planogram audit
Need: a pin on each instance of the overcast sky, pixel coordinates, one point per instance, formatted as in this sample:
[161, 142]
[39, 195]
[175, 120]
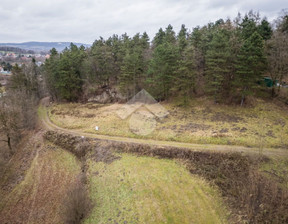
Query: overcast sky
[86, 20]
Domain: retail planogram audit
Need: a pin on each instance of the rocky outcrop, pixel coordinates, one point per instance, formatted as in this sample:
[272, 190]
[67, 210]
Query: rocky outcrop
[107, 95]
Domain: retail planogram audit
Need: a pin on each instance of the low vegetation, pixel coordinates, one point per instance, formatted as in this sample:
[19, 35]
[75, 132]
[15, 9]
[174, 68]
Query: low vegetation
[35, 183]
[251, 195]
[276, 169]
[262, 125]
[148, 190]
[77, 203]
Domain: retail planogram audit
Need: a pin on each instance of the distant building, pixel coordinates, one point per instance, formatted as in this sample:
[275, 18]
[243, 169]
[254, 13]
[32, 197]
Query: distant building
[39, 63]
[3, 72]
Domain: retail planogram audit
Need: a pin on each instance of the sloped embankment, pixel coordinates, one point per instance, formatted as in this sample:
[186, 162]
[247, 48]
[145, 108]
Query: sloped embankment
[36, 182]
[252, 196]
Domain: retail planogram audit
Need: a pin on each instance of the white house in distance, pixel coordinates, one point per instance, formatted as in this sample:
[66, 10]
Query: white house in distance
[2, 72]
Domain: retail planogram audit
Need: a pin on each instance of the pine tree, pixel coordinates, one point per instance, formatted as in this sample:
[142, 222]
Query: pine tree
[182, 39]
[249, 24]
[185, 78]
[162, 69]
[101, 63]
[159, 38]
[251, 64]
[170, 36]
[51, 73]
[219, 65]
[265, 29]
[63, 73]
[134, 67]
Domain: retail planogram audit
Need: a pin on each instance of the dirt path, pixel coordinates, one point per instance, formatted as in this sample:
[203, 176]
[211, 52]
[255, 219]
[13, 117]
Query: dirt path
[37, 176]
[47, 124]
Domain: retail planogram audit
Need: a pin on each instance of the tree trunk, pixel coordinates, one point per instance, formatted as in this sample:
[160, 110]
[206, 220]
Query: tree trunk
[9, 143]
[242, 100]
[273, 91]
[243, 96]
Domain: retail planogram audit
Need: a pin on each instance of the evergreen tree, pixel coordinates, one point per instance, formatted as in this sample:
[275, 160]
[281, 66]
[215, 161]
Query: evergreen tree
[101, 63]
[185, 78]
[52, 73]
[163, 64]
[159, 38]
[182, 39]
[68, 84]
[219, 65]
[265, 29]
[250, 65]
[134, 67]
[199, 39]
[162, 69]
[170, 36]
[64, 74]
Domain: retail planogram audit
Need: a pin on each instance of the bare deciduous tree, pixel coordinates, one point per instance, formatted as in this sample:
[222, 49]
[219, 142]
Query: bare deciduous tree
[18, 106]
[9, 121]
[277, 53]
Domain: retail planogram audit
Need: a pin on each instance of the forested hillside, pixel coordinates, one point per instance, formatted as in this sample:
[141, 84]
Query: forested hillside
[226, 60]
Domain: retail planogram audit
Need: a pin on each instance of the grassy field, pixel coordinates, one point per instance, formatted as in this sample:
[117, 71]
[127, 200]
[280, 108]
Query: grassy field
[37, 194]
[148, 190]
[263, 125]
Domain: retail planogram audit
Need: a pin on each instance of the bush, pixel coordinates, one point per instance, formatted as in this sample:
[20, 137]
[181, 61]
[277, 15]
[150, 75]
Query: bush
[77, 204]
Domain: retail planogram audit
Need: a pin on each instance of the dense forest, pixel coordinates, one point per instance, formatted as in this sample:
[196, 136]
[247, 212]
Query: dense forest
[226, 60]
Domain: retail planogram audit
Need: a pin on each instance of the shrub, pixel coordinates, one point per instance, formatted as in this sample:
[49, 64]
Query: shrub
[77, 204]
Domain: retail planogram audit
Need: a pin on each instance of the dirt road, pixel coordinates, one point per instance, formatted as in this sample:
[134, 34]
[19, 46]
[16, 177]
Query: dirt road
[47, 124]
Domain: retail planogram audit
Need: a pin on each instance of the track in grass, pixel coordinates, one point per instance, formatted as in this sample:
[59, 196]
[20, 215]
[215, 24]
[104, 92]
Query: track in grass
[39, 197]
[148, 190]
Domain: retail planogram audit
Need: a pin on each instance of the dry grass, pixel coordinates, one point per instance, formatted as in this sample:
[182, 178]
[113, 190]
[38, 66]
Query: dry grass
[38, 196]
[77, 205]
[148, 190]
[263, 125]
[277, 170]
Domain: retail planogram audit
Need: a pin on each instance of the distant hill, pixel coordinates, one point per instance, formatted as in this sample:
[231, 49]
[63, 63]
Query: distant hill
[42, 46]
[16, 50]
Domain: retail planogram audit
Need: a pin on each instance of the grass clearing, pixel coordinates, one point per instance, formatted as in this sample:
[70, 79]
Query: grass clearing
[264, 125]
[148, 190]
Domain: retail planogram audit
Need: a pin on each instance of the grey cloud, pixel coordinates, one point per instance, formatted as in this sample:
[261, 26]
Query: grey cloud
[86, 20]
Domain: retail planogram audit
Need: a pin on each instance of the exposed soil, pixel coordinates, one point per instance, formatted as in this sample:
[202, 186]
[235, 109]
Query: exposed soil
[224, 130]
[270, 134]
[222, 117]
[193, 127]
[102, 153]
